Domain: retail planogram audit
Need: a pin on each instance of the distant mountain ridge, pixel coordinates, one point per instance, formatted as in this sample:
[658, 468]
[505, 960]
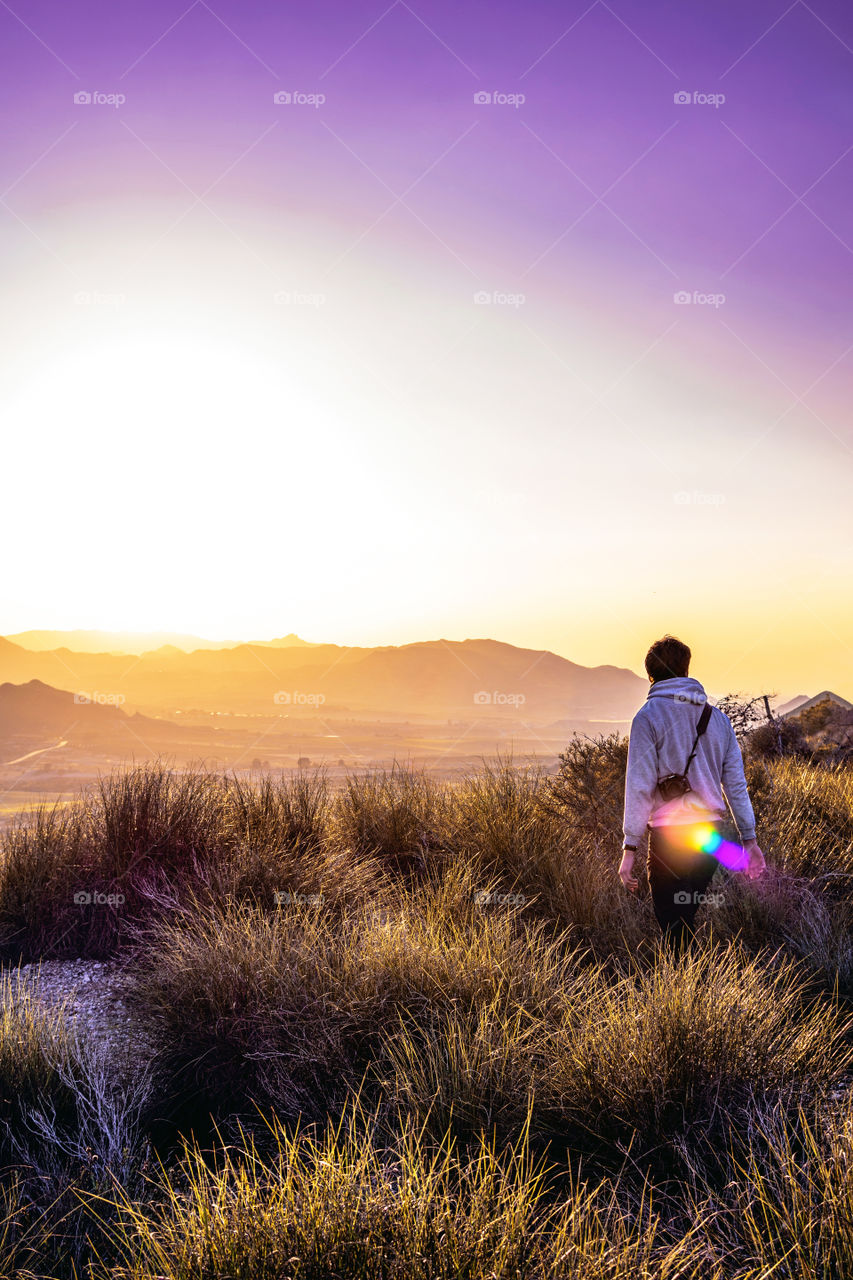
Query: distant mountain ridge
[797, 706]
[436, 678]
[133, 642]
[791, 704]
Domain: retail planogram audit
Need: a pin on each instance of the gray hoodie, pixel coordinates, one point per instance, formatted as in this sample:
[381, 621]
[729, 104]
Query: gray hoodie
[662, 734]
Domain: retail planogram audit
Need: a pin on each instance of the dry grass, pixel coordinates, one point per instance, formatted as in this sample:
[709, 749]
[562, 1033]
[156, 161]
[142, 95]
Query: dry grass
[337, 1205]
[436, 1037]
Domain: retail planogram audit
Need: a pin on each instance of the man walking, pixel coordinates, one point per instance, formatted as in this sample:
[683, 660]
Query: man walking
[683, 758]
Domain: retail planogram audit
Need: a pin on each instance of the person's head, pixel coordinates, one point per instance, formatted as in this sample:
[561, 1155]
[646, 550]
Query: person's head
[667, 658]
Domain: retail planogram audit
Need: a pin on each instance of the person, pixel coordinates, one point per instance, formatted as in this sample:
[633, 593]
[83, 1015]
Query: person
[685, 844]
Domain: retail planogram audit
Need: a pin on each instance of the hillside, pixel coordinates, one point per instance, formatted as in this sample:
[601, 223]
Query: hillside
[36, 710]
[35, 707]
[832, 704]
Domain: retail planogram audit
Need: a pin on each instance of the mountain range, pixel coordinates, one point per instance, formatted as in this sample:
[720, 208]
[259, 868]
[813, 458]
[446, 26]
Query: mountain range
[434, 679]
[134, 642]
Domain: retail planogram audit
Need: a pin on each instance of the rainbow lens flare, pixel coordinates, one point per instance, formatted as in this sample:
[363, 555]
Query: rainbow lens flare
[709, 840]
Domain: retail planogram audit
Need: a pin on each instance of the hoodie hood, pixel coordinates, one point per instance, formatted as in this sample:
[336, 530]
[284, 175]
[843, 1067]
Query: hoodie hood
[680, 689]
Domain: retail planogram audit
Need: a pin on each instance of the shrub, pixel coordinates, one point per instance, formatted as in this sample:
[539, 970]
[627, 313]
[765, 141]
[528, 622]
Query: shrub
[777, 738]
[808, 919]
[589, 790]
[293, 1009]
[337, 1205]
[151, 841]
[680, 1048]
[787, 1206]
[527, 831]
[463, 963]
[805, 815]
[36, 1058]
[393, 816]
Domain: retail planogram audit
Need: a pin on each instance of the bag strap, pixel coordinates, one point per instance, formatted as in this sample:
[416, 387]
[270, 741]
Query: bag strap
[700, 729]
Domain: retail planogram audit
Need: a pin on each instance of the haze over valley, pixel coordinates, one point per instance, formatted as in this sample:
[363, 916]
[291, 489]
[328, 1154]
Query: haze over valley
[68, 714]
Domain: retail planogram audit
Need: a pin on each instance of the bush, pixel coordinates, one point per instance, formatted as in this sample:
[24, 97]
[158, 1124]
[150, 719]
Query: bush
[337, 1205]
[36, 1059]
[779, 738]
[589, 789]
[518, 826]
[149, 842]
[292, 1010]
[680, 1049]
[808, 919]
[805, 817]
[395, 817]
[787, 1204]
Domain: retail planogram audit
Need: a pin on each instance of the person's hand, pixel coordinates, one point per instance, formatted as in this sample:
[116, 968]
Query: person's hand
[756, 863]
[626, 871]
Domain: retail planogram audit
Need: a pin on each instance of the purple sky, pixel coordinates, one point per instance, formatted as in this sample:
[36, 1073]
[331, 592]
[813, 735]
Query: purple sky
[599, 93]
[599, 198]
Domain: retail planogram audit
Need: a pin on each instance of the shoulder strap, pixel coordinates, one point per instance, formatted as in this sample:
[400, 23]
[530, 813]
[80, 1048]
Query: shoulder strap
[700, 729]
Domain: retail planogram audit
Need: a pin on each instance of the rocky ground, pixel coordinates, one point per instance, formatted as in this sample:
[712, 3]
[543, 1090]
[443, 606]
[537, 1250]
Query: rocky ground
[94, 998]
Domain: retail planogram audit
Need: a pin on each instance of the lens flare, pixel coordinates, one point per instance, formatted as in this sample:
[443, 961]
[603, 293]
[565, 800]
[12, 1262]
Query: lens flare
[708, 839]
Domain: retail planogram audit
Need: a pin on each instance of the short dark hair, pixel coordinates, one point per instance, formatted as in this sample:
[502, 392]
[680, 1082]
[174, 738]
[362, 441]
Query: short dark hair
[667, 658]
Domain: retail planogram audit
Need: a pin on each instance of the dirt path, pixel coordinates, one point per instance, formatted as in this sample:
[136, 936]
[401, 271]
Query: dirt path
[38, 752]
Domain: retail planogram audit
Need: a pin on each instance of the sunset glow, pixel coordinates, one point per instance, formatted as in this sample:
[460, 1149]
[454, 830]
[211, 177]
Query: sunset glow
[402, 363]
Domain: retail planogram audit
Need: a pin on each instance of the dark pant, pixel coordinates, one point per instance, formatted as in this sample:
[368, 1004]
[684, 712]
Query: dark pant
[679, 875]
